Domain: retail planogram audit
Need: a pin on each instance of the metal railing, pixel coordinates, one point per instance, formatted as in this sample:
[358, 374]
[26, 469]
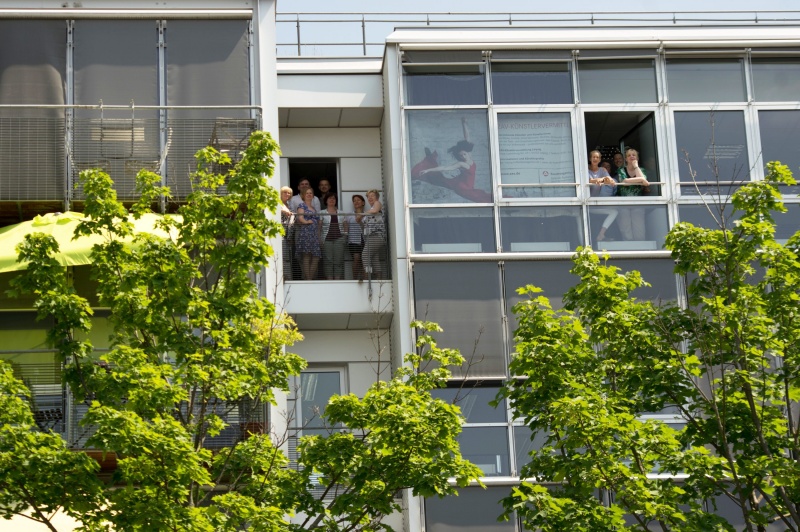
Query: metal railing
[363, 34]
[345, 250]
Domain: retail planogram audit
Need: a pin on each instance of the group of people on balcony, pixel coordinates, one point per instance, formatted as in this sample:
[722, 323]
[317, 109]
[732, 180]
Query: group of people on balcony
[322, 232]
[628, 179]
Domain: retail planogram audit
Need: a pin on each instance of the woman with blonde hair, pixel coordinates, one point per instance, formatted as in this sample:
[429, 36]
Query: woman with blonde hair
[374, 235]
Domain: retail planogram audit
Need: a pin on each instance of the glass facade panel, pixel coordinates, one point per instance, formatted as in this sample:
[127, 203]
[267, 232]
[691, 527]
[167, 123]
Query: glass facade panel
[619, 81]
[531, 83]
[465, 300]
[658, 272]
[709, 217]
[524, 445]
[445, 84]
[474, 403]
[531, 229]
[316, 389]
[716, 146]
[779, 133]
[706, 80]
[448, 154]
[787, 223]
[453, 230]
[474, 509]
[536, 153]
[775, 80]
[629, 227]
[487, 447]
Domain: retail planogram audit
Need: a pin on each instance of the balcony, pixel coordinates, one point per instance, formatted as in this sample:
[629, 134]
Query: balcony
[336, 275]
[43, 150]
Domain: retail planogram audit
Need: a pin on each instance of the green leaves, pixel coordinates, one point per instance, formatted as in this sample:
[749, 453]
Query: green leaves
[727, 366]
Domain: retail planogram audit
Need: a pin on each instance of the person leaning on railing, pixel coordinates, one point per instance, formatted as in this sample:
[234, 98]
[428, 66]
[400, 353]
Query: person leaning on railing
[374, 235]
[355, 238]
[333, 239]
[287, 220]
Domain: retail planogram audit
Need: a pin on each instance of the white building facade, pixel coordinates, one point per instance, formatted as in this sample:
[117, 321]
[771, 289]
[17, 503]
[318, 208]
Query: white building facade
[476, 135]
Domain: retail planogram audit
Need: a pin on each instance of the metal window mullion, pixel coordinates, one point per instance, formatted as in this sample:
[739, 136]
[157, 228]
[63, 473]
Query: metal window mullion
[163, 124]
[69, 115]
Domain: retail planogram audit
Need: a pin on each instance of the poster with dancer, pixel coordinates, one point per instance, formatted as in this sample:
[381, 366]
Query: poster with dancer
[448, 157]
[536, 153]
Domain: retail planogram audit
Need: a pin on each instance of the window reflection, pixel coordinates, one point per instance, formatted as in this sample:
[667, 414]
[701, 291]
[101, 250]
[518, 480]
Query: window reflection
[628, 227]
[531, 83]
[628, 81]
[658, 272]
[448, 156]
[711, 216]
[474, 509]
[779, 132]
[445, 84]
[487, 448]
[527, 229]
[474, 403]
[775, 80]
[536, 153]
[705, 80]
[453, 230]
[716, 147]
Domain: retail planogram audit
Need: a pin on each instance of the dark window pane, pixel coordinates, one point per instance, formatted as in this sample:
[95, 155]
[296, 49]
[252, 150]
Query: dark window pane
[448, 154]
[464, 299]
[787, 223]
[716, 147]
[617, 81]
[528, 229]
[524, 445]
[454, 230]
[776, 80]
[474, 509]
[534, 83]
[628, 227]
[709, 217]
[487, 448]
[658, 272]
[445, 85]
[705, 80]
[474, 403]
[536, 152]
[316, 389]
[779, 133]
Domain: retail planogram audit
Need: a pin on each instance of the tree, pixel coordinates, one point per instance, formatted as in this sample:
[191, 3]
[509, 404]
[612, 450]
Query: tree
[727, 362]
[192, 342]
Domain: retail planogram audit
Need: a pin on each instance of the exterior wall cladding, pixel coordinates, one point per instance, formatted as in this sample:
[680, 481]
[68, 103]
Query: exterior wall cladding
[477, 139]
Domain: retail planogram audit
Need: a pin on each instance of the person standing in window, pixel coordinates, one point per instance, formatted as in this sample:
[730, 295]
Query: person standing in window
[632, 182]
[462, 183]
[287, 220]
[355, 237]
[333, 239]
[324, 187]
[308, 237]
[619, 162]
[374, 235]
[602, 185]
[297, 199]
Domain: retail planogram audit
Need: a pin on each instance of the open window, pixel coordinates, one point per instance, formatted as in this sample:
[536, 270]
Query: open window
[318, 172]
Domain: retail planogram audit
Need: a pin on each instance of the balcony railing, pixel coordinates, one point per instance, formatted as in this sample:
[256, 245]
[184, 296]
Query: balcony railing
[43, 149]
[364, 34]
[343, 251]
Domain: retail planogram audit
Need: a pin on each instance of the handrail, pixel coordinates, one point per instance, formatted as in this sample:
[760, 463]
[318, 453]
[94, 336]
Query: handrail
[293, 40]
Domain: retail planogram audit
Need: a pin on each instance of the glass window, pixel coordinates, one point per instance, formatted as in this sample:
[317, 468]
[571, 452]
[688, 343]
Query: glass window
[445, 84]
[530, 229]
[531, 83]
[474, 509]
[465, 300]
[487, 448]
[316, 389]
[779, 133]
[706, 80]
[535, 154]
[775, 80]
[787, 223]
[715, 146]
[628, 227]
[619, 81]
[453, 230]
[658, 272]
[448, 154]
[474, 403]
[709, 216]
[524, 445]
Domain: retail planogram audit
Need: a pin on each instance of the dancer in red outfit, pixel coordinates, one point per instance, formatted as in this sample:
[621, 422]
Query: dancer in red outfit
[463, 183]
